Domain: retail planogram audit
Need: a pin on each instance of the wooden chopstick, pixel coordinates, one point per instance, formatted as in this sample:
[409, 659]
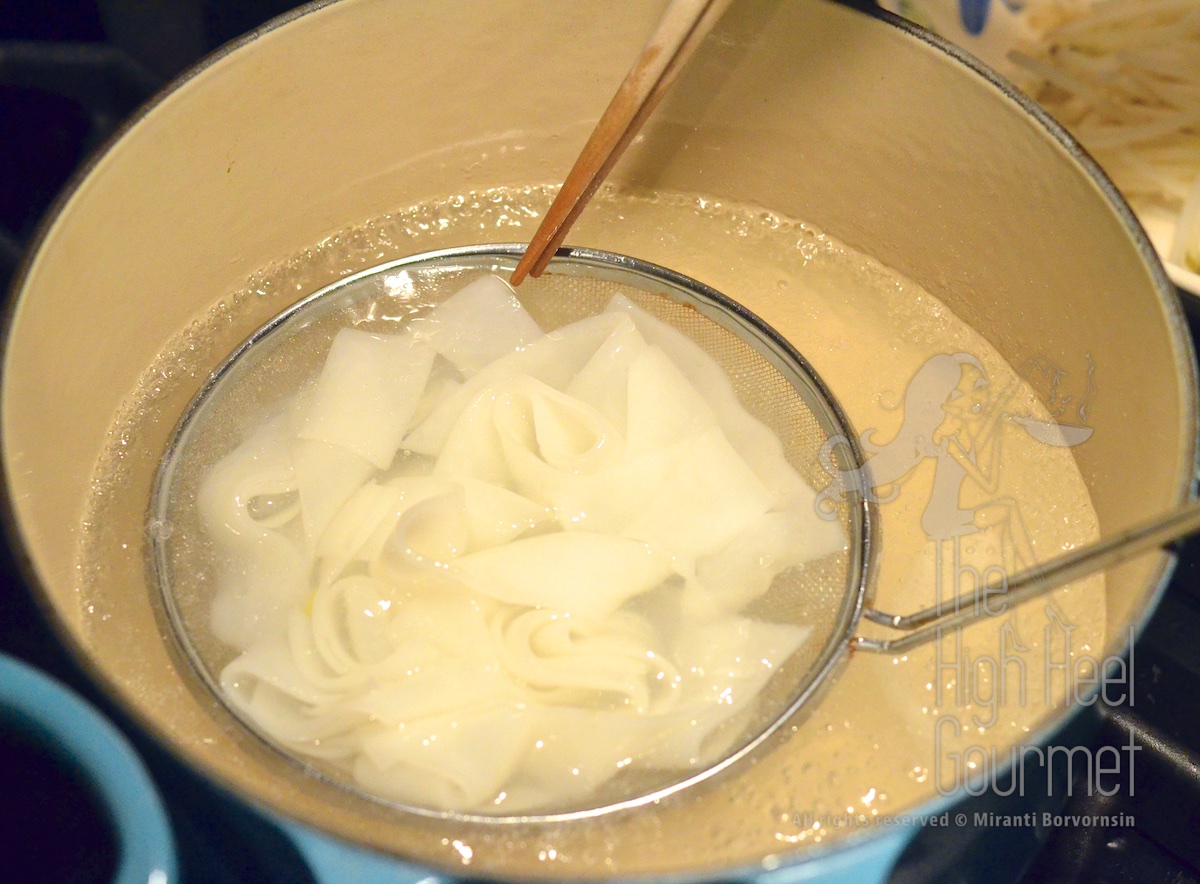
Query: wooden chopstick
[683, 27]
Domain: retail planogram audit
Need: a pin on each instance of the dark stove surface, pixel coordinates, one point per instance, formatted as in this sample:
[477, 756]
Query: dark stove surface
[71, 72]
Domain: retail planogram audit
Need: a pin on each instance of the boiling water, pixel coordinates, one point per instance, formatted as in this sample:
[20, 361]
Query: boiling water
[880, 736]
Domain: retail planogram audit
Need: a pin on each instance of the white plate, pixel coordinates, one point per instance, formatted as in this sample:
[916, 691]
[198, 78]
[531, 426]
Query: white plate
[1160, 227]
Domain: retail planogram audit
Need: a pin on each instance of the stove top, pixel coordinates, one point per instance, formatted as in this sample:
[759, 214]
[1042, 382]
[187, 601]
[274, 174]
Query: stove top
[68, 81]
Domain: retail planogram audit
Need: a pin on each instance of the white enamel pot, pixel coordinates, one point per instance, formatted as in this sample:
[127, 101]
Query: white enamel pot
[346, 110]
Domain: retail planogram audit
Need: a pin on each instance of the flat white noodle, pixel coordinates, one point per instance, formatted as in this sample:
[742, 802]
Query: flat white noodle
[351, 534]
[725, 664]
[422, 518]
[478, 324]
[522, 414]
[432, 692]
[457, 760]
[733, 577]
[259, 466]
[428, 516]
[444, 378]
[256, 591]
[497, 515]
[663, 406]
[577, 572]
[562, 768]
[497, 577]
[432, 628]
[605, 501]
[266, 685]
[472, 446]
[760, 448]
[603, 382]
[620, 655]
[707, 498]
[359, 605]
[271, 665]
[567, 434]
[326, 477]
[553, 359]
[731, 658]
[367, 393]
[281, 717]
[263, 571]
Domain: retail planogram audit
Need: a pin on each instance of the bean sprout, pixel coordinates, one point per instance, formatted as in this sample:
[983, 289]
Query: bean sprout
[1123, 76]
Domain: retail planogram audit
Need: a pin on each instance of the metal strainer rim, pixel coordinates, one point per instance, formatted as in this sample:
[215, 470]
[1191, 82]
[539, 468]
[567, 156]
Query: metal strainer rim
[716, 307]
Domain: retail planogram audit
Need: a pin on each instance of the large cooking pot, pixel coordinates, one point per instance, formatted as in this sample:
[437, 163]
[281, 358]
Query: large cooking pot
[348, 110]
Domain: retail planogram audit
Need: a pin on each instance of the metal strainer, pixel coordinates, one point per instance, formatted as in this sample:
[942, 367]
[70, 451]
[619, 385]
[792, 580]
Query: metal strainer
[773, 382]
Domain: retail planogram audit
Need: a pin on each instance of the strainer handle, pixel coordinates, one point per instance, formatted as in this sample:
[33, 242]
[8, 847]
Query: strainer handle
[1000, 593]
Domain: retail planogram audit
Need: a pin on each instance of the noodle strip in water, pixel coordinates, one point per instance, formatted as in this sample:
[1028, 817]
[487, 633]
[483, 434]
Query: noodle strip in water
[487, 569]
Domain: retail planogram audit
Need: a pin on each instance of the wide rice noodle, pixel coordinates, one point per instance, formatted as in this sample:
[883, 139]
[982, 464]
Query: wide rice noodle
[486, 569]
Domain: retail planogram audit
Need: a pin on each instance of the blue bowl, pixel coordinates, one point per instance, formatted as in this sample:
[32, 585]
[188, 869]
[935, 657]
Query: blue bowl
[57, 723]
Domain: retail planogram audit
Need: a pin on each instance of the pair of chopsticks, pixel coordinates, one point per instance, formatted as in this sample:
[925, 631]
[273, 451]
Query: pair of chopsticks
[683, 27]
